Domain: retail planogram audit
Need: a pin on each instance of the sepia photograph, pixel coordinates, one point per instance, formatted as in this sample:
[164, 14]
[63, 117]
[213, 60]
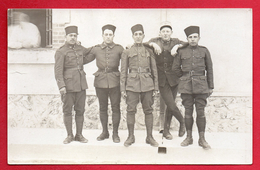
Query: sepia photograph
[167, 86]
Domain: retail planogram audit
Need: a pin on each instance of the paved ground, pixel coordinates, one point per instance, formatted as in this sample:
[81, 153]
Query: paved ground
[44, 146]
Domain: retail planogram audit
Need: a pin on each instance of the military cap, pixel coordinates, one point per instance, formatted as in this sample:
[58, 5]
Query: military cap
[109, 27]
[137, 27]
[71, 29]
[192, 29]
[165, 24]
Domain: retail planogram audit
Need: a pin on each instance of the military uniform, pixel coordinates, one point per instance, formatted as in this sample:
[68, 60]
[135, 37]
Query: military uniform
[168, 83]
[107, 83]
[139, 79]
[69, 73]
[193, 65]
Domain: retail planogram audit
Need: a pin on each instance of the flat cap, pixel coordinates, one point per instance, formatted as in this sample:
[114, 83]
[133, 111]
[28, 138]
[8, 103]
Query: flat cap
[192, 29]
[109, 27]
[137, 27]
[71, 29]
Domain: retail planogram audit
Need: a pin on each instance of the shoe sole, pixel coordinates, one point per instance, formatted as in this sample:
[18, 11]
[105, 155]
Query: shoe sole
[190, 143]
[206, 148]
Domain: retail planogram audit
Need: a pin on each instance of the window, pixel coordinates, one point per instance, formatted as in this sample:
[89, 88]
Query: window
[42, 18]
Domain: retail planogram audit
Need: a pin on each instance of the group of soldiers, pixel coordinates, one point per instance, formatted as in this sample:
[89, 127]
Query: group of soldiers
[163, 64]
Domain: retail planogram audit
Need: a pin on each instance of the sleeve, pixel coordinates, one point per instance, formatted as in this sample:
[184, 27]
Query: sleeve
[176, 67]
[154, 71]
[89, 55]
[185, 44]
[124, 70]
[146, 44]
[58, 69]
[209, 69]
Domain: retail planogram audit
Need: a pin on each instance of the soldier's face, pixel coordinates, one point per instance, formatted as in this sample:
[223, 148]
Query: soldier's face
[193, 39]
[166, 33]
[71, 38]
[108, 36]
[138, 36]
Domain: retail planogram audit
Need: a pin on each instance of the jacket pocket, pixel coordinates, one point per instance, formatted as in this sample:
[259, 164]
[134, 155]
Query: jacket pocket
[200, 84]
[185, 85]
[68, 82]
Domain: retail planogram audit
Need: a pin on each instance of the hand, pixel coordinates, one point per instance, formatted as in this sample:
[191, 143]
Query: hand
[123, 94]
[210, 91]
[175, 48]
[63, 91]
[155, 92]
[128, 46]
[78, 43]
[157, 48]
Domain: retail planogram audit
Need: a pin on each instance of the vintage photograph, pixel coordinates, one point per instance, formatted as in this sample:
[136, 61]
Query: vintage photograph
[130, 86]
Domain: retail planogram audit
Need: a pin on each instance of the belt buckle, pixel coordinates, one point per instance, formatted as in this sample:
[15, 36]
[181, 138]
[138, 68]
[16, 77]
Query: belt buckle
[191, 72]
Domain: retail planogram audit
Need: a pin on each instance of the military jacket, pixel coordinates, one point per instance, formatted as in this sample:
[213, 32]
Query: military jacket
[138, 70]
[194, 67]
[68, 69]
[107, 60]
[164, 61]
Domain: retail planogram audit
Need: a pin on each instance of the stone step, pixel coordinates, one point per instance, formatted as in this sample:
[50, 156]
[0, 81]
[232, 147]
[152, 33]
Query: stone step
[44, 146]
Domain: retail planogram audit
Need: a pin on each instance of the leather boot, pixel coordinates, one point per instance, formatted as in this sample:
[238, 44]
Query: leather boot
[161, 122]
[167, 125]
[130, 118]
[79, 126]
[182, 129]
[202, 142]
[188, 140]
[149, 129]
[68, 125]
[177, 114]
[116, 120]
[104, 119]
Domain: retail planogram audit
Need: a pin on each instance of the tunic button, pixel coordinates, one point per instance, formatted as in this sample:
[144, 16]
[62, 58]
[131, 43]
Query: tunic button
[192, 63]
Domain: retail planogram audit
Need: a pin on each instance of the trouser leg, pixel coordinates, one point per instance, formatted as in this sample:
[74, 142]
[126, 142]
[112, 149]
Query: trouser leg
[162, 114]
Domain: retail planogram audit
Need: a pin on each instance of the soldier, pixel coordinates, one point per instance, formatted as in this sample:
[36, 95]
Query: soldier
[165, 48]
[141, 83]
[193, 64]
[71, 80]
[107, 78]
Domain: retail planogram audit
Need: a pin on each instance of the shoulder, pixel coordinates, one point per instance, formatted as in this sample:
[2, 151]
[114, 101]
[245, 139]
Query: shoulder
[62, 49]
[120, 47]
[155, 39]
[203, 48]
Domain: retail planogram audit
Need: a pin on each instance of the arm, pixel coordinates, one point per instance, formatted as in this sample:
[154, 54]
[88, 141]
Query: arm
[124, 71]
[179, 44]
[209, 69]
[176, 67]
[88, 55]
[58, 69]
[154, 72]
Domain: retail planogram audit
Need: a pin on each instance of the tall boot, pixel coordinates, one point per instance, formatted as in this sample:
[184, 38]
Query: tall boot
[177, 114]
[130, 118]
[68, 125]
[79, 126]
[104, 120]
[189, 139]
[202, 142]
[167, 125]
[116, 120]
[161, 122]
[149, 129]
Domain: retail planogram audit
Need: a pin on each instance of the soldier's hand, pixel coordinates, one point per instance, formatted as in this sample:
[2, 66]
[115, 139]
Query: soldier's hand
[78, 43]
[157, 48]
[128, 46]
[63, 91]
[155, 92]
[210, 92]
[174, 49]
[123, 94]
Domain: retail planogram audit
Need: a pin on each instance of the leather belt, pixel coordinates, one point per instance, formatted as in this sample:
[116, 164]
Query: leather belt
[194, 73]
[108, 70]
[74, 68]
[139, 70]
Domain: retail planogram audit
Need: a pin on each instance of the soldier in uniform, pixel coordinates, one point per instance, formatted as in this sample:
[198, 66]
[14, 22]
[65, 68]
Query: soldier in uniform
[71, 80]
[194, 67]
[165, 47]
[139, 81]
[107, 80]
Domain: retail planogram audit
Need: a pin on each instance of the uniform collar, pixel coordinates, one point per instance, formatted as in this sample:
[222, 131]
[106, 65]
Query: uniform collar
[69, 45]
[193, 47]
[165, 42]
[138, 44]
[104, 45]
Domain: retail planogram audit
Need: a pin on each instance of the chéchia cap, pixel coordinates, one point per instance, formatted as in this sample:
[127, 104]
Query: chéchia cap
[192, 29]
[109, 27]
[166, 24]
[71, 29]
[137, 27]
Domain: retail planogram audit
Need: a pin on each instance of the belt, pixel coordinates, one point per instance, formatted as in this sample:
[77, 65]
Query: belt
[74, 68]
[108, 70]
[139, 70]
[194, 73]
